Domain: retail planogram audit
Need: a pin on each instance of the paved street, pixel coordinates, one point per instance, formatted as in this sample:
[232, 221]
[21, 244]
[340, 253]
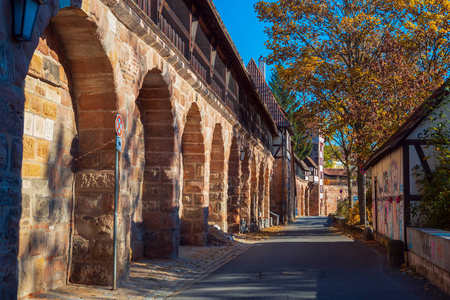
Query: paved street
[309, 262]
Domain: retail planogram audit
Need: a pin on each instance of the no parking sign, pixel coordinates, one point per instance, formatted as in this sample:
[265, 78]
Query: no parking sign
[119, 131]
[119, 125]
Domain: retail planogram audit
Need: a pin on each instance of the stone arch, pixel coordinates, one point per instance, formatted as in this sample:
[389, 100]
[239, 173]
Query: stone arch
[194, 210]
[217, 202]
[245, 188]
[70, 103]
[155, 219]
[233, 187]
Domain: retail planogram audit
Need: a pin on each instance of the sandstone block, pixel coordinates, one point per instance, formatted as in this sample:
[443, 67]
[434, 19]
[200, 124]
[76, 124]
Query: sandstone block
[39, 269]
[28, 147]
[35, 65]
[55, 271]
[49, 109]
[51, 71]
[35, 103]
[91, 273]
[30, 169]
[42, 150]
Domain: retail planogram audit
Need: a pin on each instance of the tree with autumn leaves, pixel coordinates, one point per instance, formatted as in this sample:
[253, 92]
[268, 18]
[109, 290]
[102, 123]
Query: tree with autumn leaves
[302, 136]
[358, 67]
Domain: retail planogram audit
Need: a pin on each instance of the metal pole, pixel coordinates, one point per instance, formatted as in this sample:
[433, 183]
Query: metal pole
[116, 185]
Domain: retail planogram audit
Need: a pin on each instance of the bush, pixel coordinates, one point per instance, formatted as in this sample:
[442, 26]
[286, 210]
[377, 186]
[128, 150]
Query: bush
[342, 209]
[434, 209]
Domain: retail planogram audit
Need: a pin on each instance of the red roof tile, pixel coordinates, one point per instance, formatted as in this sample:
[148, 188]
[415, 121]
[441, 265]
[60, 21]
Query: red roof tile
[275, 110]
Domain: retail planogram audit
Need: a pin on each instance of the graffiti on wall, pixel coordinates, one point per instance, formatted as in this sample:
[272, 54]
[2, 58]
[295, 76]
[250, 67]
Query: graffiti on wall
[390, 219]
[389, 187]
[431, 244]
[394, 176]
[390, 183]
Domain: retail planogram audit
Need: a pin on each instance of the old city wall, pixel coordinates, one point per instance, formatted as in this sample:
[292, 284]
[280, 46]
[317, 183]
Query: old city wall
[86, 63]
[333, 195]
[300, 196]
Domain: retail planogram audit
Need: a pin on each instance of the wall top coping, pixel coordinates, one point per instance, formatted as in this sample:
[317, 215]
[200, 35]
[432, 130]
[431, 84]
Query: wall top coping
[433, 231]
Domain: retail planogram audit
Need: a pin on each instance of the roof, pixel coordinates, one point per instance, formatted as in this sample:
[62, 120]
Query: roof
[335, 172]
[210, 15]
[278, 114]
[310, 162]
[301, 163]
[416, 118]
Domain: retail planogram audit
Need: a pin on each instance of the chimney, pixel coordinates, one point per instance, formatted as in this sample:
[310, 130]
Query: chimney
[262, 66]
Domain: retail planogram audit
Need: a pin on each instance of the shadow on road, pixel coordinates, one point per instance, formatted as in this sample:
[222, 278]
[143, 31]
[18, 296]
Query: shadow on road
[308, 262]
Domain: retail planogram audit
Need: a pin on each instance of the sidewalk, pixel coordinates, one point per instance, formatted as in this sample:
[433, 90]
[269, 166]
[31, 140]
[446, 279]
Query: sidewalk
[157, 278]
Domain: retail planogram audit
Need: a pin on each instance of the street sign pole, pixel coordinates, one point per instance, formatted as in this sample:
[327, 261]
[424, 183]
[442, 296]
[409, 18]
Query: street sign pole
[116, 185]
[119, 131]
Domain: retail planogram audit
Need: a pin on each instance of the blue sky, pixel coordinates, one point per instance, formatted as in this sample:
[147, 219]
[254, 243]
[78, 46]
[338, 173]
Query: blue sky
[244, 27]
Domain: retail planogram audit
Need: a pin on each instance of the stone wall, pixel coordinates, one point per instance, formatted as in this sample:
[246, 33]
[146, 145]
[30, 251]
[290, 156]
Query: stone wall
[301, 187]
[276, 189]
[429, 252]
[314, 202]
[47, 169]
[333, 195]
[59, 95]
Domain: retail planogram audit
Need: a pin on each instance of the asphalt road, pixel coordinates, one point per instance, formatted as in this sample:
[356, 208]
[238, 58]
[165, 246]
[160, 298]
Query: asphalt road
[309, 262]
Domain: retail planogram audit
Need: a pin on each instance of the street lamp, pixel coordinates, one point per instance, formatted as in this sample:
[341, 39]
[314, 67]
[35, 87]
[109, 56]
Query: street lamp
[242, 154]
[24, 17]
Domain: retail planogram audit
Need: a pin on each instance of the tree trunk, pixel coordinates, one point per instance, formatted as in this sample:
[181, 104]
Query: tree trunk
[349, 187]
[360, 182]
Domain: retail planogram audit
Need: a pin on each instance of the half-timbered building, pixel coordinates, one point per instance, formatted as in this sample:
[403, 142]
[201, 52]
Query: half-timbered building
[395, 186]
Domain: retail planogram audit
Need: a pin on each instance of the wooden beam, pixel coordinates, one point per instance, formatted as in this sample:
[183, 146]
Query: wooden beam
[213, 61]
[423, 161]
[194, 27]
[161, 6]
[177, 21]
[406, 192]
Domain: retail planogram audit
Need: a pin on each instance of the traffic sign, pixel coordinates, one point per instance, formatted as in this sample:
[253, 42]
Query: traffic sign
[119, 125]
[118, 143]
[362, 170]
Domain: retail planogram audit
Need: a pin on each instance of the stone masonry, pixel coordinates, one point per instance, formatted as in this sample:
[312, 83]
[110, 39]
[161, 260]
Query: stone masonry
[179, 168]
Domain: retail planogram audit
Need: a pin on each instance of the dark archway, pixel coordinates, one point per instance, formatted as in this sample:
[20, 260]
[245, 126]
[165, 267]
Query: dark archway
[217, 200]
[155, 222]
[68, 161]
[233, 187]
[245, 189]
[194, 212]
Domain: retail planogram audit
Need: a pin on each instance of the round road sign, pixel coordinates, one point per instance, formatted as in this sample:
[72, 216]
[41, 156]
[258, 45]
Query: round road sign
[119, 125]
